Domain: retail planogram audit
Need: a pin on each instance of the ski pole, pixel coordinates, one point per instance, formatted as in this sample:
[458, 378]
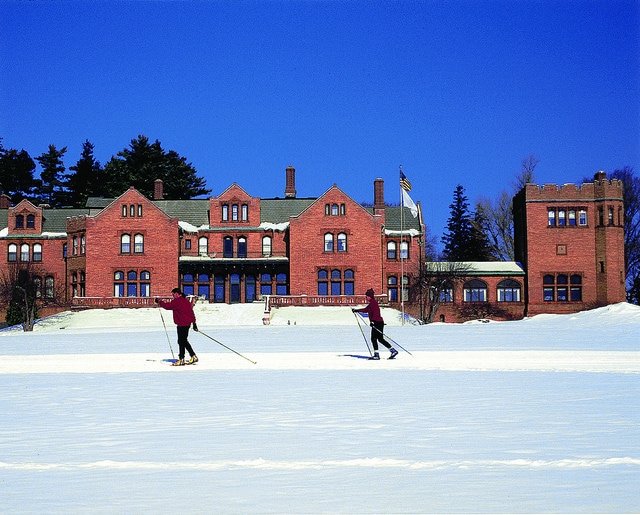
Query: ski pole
[362, 332]
[167, 333]
[229, 348]
[391, 340]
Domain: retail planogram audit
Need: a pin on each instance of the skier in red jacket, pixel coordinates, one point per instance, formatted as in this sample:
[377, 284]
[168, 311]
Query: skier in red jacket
[377, 325]
[183, 317]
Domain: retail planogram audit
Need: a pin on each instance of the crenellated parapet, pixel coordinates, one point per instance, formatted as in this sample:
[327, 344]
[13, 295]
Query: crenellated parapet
[600, 188]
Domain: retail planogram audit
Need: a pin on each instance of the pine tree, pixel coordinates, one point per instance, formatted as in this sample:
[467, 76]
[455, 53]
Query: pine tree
[51, 178]
[143, 162]
[458, 237]
[16, 173]
[85, 181]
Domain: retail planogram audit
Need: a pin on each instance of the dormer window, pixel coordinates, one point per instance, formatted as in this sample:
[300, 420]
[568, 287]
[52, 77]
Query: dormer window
[225, 212]
[234, 212]
[31, 222]
[245, 212]
[19, 221]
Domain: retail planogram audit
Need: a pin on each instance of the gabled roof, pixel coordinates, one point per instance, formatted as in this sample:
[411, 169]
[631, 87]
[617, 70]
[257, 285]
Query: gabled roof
[279, 210]
[53, 220]
[393, 219]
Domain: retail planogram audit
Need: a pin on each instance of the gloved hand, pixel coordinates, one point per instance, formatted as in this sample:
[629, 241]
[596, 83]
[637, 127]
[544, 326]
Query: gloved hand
[195, 327]
[156, 300]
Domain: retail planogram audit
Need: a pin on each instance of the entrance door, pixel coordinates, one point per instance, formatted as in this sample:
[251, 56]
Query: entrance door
[218, 288]
[234, 293]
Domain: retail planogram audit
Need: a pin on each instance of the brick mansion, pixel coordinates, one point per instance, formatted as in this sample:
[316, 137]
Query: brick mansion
[326, 250]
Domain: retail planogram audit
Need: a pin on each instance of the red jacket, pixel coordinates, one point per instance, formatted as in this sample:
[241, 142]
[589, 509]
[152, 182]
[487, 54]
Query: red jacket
[373, 310]
[183, 314]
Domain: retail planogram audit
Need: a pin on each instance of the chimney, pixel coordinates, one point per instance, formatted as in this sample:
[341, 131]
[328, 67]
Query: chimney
[378, 194]
[158, 189]
[290, 188]
[5, 201]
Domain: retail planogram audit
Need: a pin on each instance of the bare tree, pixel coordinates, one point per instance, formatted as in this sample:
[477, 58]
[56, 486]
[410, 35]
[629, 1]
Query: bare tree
[436, 283]
[499, 213]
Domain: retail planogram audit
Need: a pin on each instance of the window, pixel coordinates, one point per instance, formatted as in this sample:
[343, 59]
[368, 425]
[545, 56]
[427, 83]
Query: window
[446, 293]
[12, 254]
[83, 245]
[562, 287]
[266, 246]
[392, 288]
[334, 210]
[509, 291]
[132, 283]
[572, 217]
[125, 244]
[31, 222]
[349, 284]
[551, 218]
[475, 291]
[204, 289]
[242, 247]
[610, 216]
[392, 250]
[582, 217]
[227, 247]
[64, 250]
[37, 252]
[49, 287]
[132, 210]
[124, 211]
[19, 221]
[187, 284]
[336, 282]
[323, 284]
[328, 242]
[327, 209]
[404, 250]
[145, 285]
[81, 285]
[343, 209]
[265, 284]
[281, 284]
[118, 283]
[138, 244]
[234, 212]
[24, 252]
[342, 242]
[37, 284]
[245, 212]
[203, 246]
[187, 244]
[562, 218]
[140, 210]
[405, 288]
[225, 212]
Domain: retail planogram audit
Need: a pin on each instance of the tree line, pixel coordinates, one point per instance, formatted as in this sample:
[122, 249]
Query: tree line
[139, 165]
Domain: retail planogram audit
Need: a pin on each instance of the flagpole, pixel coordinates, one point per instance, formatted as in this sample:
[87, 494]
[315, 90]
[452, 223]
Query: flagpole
[400, 250]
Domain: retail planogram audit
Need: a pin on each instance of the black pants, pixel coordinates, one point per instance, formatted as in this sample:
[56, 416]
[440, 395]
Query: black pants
[183, 342]
[377, 336]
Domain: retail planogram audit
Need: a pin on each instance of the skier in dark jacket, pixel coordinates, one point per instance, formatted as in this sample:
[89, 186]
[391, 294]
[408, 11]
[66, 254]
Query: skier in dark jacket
[377, 325]
[183, 317]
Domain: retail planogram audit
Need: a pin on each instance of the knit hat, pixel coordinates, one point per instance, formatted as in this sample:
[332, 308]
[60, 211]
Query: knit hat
[369, 293]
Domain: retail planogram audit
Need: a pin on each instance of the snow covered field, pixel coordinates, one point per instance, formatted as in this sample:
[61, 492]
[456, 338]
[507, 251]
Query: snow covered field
[540, 415]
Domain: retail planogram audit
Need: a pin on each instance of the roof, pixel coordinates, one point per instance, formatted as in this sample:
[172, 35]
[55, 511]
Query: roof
[53, 220]
[481, 267]
[396, 220]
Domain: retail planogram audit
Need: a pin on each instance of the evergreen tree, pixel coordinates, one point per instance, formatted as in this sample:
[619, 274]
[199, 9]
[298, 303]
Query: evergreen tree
[85, 181]
[457, 239]
[16, 173]
[51, 177]
[480, 248]
[143, 162]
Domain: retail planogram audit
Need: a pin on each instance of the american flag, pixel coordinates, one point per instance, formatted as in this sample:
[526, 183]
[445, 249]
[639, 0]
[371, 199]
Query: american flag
[404, 182]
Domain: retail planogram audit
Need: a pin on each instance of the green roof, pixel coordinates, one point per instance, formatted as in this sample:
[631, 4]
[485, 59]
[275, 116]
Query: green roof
[396, 220]
[279, 210]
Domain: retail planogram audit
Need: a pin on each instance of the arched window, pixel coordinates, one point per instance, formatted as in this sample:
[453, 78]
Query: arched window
[336, 282]
[349, 282]
[37, 252]
[203, 246]
[323, 282]
[19, 221]
[227, 247]
[342, 242]
[575, 292]
[475, 290]
[234, 212]
[562, 288]
[509, 291]
[74, 245]
[12, 253]
[145, 283]
[31, 222]
[266, 246]
[118, 283]
[125, 244]
[334, 210]
[328, 242]
[132, 283]
[37, 284]
[24, 252]
[138, 244]
[242, 247]
[83, 245]
[404, 250]
[245, 212]
[225, 212]
[392, 288]
[392, 249]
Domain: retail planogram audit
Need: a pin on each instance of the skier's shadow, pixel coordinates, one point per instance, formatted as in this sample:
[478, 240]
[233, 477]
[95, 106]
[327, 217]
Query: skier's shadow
[359, 356]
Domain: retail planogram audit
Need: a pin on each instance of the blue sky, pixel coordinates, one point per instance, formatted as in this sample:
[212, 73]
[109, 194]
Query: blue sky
[457, 92]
